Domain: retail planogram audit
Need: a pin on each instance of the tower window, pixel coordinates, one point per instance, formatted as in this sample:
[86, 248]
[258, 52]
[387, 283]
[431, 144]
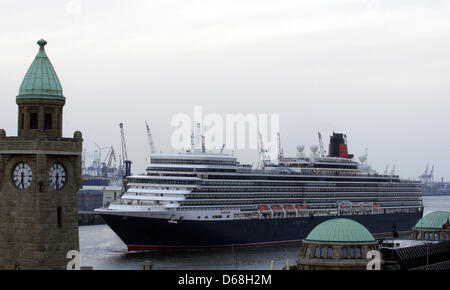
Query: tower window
[33, 120]
[48, 121]
[22, 121]
[59, 213]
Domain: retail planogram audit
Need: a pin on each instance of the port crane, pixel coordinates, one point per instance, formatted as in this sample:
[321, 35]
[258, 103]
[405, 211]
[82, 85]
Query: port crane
[126, 162]
[107, 163]
[322, 150]
[393, 170]
[280, 150]
[150, 139]
[263, 157]
[427, 177]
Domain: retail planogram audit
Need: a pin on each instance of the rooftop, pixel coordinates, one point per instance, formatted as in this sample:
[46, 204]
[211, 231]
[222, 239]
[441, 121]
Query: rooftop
[341, 231]
[41, 81]
[433, 220]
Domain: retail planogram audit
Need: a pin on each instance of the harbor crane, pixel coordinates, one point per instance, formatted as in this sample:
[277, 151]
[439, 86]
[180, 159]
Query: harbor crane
[393, 170]
[83, 163]
[427, 177]
[107, 163]
[97, 164]
[126, 162]
[280, 150]
[263, 157]
[322, 150]
[150, 139]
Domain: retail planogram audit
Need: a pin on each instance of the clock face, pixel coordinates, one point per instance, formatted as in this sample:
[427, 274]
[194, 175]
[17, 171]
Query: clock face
[57, 176]
[22, 175]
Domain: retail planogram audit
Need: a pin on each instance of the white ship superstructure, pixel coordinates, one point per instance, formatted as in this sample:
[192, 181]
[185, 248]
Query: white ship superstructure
[202, 188]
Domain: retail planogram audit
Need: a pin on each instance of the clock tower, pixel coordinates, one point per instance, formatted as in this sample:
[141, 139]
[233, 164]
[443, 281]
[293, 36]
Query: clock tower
[40, 174]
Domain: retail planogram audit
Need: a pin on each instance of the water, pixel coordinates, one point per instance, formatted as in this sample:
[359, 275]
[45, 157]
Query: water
[102, 249]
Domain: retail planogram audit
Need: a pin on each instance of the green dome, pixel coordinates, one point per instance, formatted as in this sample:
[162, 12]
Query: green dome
[341, 231]
[433, 220]
[41, 81]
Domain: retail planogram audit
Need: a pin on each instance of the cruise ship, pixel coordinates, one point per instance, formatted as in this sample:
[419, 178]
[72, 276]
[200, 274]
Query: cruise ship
[197, 199]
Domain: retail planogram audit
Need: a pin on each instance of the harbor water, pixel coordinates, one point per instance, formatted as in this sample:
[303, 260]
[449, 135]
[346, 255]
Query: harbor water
[101, 248]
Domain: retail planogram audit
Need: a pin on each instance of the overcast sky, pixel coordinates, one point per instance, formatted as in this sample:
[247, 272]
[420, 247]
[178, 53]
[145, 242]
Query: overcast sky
[378, 71]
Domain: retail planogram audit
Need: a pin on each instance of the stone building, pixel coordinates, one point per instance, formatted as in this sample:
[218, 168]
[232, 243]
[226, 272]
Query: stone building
[434, 226]
[336, 244]
[40, 174]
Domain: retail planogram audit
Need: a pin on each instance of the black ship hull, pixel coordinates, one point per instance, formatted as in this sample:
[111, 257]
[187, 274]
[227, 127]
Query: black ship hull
[141, 234]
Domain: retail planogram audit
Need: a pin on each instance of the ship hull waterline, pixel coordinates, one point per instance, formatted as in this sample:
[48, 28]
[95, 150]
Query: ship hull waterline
[150, 234]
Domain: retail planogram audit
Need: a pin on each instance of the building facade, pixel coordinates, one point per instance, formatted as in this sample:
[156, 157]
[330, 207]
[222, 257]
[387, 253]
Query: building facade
[337, 244]
[434, 226]
[40, 174]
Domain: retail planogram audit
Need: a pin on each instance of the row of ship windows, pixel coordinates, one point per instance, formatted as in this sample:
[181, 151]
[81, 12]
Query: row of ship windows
[299, 178]
[243, 202]
[283, 182]
[190, 161]
[307, 186]
[214, 217]
[299, 195]
[299, 189]
[252, 184]
[164, 181]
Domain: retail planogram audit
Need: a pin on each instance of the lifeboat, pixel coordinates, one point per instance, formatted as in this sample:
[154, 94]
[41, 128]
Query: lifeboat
[300, 206]
[263, 208]
[276, 207]
[376, 205]
[288, 207]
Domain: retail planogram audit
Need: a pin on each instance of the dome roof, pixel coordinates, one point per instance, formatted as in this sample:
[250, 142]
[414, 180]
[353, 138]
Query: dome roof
[41, 81]
[433, 220]
[340, 230]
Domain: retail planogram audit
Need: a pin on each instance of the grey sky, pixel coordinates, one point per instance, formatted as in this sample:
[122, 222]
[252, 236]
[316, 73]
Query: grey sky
[376, 70]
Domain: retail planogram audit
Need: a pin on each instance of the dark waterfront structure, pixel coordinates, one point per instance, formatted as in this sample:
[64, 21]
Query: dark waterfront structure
[90, 199]
[424, 256]
[40, 174]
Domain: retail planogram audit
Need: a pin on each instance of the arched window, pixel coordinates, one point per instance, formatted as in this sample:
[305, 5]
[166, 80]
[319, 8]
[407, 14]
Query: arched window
[330, 253]
[345, 253]
[322, 253]
[358, 253]
[316, 252]
[352, 253]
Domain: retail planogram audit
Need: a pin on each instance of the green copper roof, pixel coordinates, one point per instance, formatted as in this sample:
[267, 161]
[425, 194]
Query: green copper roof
[41, 81]
[433, 220]
[340, 230]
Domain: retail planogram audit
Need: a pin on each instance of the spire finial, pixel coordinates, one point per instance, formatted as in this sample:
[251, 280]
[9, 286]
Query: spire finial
[42, 43]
